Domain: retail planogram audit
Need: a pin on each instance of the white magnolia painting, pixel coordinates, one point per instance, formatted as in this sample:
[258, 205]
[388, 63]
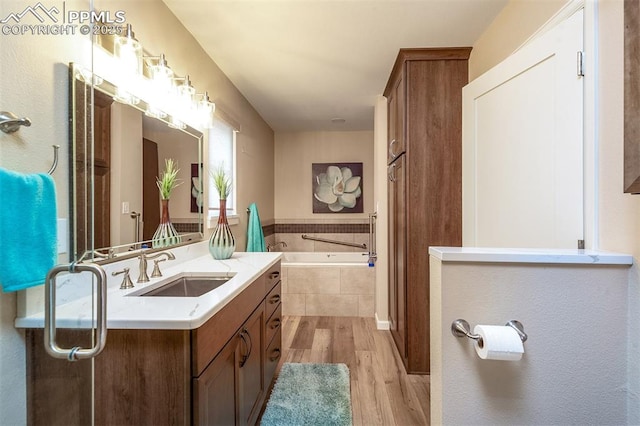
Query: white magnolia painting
[337, 187]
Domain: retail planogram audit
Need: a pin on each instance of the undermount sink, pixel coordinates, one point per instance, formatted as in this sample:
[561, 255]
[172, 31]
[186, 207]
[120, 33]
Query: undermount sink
[186, 287]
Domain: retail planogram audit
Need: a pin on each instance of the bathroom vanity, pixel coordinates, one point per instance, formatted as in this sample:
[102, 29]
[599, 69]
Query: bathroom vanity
[169, 360]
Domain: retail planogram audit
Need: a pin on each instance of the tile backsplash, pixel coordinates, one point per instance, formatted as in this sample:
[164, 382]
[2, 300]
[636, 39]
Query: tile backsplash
[347, 230]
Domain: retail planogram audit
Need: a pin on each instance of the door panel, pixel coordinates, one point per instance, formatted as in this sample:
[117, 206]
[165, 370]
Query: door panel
[250, 371]
[213, 403]
[522, 146]
[397, 253]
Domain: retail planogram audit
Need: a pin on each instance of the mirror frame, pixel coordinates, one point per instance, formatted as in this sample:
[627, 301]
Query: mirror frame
[82, 84]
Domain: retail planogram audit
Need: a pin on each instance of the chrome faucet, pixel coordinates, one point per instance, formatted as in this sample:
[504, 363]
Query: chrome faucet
[271, 247]
[144, 277]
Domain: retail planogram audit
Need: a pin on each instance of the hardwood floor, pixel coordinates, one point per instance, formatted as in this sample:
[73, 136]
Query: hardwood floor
[381, 392]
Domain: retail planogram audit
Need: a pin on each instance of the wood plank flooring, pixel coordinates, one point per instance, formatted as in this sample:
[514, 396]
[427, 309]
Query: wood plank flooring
[381, 392]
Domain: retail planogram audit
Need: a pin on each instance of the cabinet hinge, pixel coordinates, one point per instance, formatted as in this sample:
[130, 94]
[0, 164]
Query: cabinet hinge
[580, 65]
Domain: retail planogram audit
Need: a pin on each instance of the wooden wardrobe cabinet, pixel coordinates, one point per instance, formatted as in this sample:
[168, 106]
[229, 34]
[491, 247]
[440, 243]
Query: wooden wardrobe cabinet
[424, 94]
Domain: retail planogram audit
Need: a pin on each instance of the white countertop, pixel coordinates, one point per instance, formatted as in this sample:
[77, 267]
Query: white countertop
[523, 255]
[175, 313]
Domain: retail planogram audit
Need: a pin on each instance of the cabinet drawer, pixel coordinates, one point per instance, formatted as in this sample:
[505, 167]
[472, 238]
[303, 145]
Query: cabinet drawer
[272, 357]
[272, 276]
[272, 301]
[274, 323]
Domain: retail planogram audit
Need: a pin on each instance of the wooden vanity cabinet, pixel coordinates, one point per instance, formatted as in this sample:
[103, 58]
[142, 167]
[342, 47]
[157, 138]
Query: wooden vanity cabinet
[424, 95]
[239, 368]
[217, 374]
[233, 385]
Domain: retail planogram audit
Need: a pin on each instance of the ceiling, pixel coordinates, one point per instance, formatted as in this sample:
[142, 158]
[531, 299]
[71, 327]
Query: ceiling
[302, 63]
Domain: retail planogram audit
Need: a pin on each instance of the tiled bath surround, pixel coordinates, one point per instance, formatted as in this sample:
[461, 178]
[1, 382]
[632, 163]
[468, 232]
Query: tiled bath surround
[324, 289]
[328, 289]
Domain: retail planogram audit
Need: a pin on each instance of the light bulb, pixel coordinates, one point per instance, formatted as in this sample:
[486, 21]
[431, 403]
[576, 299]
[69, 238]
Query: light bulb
[205, 110]
[162, 75]
[129, 52]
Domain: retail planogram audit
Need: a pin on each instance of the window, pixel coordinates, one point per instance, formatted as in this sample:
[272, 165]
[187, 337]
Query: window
[222, 143]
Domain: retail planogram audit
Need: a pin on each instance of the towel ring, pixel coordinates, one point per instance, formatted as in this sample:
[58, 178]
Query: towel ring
[55, 159]
[10, 123]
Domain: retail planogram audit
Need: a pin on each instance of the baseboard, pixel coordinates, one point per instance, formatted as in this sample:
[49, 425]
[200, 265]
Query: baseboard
[381, 325]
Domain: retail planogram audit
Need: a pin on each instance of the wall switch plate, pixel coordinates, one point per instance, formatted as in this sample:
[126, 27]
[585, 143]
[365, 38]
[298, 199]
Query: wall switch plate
[125, 207]
[63, 236]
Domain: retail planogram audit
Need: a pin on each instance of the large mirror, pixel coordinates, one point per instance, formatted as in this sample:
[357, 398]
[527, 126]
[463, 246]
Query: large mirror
[116, 202]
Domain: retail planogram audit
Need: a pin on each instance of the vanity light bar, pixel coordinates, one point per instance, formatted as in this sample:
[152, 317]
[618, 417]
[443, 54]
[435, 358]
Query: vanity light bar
[176, 100]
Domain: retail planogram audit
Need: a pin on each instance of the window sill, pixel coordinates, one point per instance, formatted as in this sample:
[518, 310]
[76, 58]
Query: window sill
[233, 220]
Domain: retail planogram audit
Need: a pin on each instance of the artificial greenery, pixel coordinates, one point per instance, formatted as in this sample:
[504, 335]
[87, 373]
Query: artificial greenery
[221, 181]
[168, 179]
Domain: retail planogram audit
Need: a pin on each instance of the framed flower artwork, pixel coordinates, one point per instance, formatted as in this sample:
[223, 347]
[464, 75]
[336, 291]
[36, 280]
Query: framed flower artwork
[337, 187]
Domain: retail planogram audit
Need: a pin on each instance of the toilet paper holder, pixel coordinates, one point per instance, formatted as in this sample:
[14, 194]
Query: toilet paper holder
[461, 328]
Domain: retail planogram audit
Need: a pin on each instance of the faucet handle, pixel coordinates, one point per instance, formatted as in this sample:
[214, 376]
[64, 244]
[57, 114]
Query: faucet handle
[126, 280]
[156, 268]
[142, 276]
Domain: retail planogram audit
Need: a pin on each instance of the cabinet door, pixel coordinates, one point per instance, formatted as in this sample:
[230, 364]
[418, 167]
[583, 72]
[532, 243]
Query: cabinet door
[215, 392]
[396, 120]
[251, 367]
[397, 253]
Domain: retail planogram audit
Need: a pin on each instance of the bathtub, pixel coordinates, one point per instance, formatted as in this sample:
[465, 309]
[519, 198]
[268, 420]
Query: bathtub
[327, 284]
[326, 258]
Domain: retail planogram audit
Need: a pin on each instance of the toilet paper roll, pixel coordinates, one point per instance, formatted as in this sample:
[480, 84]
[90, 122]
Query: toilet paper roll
[498, 342]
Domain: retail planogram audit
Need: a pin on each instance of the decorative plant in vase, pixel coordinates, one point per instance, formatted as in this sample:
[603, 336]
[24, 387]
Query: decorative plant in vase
[166, 234]
[222, 244]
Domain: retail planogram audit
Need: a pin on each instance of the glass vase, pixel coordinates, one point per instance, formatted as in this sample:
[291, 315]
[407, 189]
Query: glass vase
[165, 235]
[222, 244]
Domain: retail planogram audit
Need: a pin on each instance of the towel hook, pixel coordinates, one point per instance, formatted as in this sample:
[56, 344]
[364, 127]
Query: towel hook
[55, 159]
[9, 122]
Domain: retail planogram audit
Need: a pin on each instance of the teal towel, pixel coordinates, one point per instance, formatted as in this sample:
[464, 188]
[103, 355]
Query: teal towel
[28, 229]
[255, 237]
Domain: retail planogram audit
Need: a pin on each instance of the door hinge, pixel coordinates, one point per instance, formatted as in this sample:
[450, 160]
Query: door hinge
[581, 244]
[580, 65]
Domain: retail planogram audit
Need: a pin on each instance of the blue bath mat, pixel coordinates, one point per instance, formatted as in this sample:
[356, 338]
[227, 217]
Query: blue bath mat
[310, 394]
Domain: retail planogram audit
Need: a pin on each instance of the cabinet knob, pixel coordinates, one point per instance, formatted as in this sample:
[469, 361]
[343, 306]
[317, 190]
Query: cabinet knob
[275, 323]
[275, 354]
[274, 275]
[392, 177]
[391, 153]
[274, 299]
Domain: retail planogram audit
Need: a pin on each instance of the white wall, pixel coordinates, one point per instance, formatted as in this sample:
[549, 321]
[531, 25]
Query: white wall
[126, 171]
[33, 83]
[294, 154]
[574, 367]
[618, 218]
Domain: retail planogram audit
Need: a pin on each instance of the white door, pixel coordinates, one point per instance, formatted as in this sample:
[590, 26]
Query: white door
[523, 146]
